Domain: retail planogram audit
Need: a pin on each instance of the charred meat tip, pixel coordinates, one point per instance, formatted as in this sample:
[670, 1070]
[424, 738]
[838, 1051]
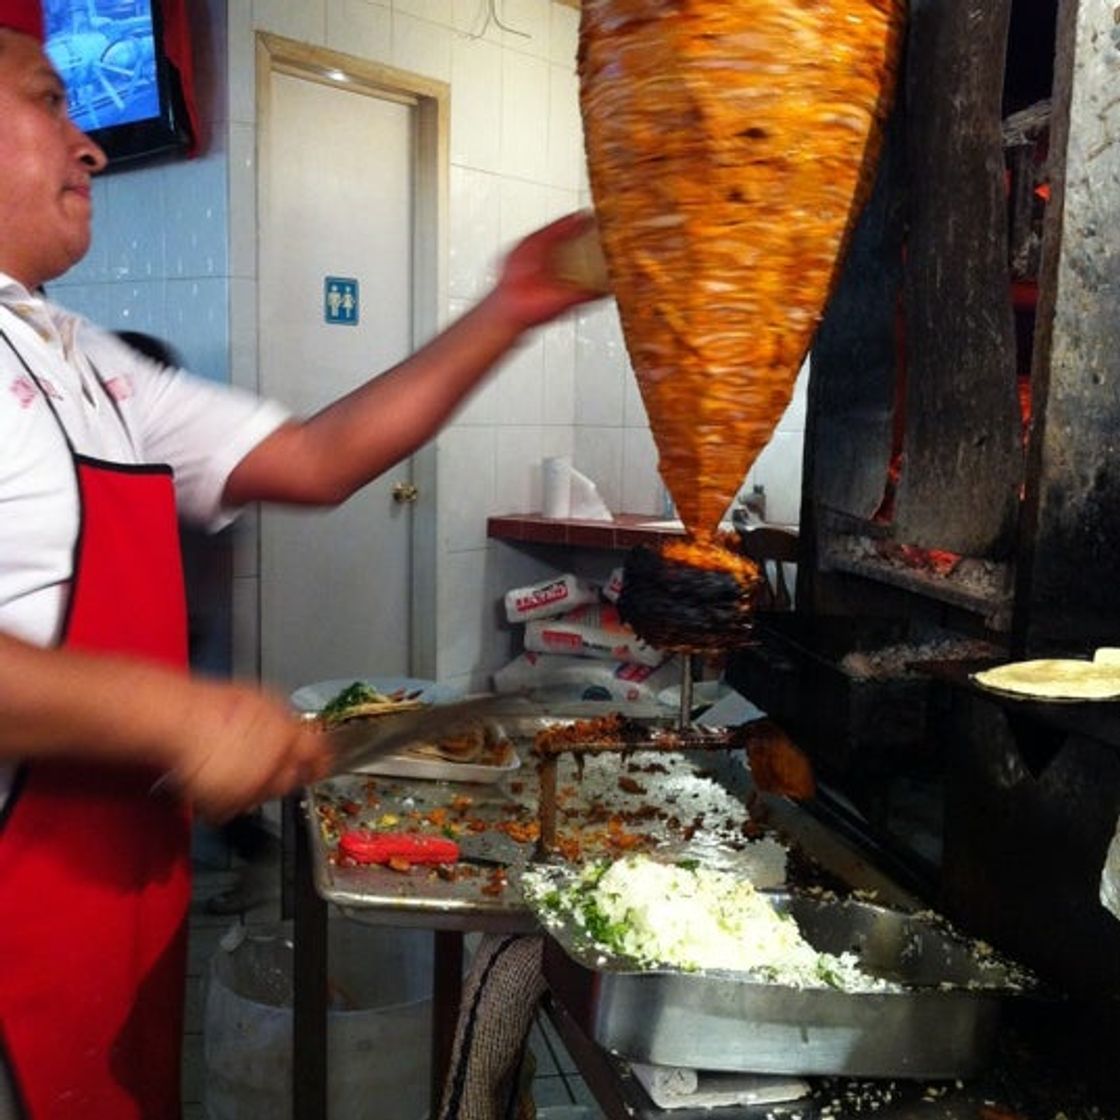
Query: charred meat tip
[690, 595]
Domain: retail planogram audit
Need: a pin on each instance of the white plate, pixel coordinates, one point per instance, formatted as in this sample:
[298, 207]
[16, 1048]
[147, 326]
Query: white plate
[312, 697]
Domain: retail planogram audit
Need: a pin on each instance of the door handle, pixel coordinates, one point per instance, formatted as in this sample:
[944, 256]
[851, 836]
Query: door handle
[405, 493]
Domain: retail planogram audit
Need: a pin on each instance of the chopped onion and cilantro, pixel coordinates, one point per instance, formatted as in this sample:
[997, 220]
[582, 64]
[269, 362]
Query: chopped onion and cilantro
[693, 918]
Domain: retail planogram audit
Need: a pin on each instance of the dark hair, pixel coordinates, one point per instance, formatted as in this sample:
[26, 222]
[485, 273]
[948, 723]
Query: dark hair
[151, 347]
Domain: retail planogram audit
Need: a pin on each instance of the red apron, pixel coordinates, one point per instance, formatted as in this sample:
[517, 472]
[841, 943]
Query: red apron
[94, 871]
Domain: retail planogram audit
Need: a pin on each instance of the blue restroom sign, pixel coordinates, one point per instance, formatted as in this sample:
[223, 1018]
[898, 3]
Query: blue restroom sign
[340, 300]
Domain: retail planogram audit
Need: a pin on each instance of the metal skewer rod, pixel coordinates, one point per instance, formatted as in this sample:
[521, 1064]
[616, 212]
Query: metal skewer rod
[684, 714]
[546, 844]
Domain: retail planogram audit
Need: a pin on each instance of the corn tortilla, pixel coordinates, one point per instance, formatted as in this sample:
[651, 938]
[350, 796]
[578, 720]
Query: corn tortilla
[1055, 679]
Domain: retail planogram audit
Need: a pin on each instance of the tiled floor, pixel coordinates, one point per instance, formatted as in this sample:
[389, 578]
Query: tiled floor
[556, 1081]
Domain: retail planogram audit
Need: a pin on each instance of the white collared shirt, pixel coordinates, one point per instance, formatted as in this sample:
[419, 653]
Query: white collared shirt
[200, 429]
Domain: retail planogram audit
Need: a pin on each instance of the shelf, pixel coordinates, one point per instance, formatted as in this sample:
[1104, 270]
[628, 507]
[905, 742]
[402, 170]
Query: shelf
[625, 532]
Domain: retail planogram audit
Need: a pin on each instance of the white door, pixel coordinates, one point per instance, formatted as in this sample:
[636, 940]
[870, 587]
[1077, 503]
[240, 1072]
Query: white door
[337, 175]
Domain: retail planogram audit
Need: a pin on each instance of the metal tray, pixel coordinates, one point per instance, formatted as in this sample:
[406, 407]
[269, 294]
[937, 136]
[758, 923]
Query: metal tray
[942, 1025]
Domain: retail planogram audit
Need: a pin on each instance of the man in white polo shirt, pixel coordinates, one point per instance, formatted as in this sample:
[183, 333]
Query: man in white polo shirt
[100, 451]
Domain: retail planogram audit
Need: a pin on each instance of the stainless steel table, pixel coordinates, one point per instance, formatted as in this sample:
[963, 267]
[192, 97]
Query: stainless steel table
[419, 898]
[1025, 1083]
[618, 802]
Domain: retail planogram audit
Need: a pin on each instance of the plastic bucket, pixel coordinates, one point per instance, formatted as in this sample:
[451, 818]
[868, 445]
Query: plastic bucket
[378, 1025]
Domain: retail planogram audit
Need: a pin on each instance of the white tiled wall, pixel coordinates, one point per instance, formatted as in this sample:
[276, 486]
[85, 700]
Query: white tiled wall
[778, 469]
[160, 259]
[160, 256]
[175, 254]
[516, 162]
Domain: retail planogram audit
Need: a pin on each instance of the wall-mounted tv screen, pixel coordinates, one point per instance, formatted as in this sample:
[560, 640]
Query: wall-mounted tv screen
[121, 86]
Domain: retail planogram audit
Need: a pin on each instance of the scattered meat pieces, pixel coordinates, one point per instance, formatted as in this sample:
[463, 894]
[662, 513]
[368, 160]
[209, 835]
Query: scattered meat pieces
[998, 1112]
[614, 729]
[524, 832]
[496, 883]
[776, 764]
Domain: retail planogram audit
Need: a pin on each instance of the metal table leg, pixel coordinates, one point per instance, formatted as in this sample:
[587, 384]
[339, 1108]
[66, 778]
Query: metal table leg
[594, 1065]
[447, 995]
[309, 1019]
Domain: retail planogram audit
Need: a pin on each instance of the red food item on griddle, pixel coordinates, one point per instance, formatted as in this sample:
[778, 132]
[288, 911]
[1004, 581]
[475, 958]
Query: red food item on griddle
[363, 846]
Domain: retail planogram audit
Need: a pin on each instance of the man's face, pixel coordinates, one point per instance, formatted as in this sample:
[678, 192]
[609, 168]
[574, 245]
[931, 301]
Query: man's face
[45, 168]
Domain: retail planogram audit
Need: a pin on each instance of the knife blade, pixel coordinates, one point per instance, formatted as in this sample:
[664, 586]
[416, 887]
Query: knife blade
[355, 743]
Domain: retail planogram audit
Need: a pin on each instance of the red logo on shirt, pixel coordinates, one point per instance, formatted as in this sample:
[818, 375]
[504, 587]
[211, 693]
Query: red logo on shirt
[119, 388]
[23, 389]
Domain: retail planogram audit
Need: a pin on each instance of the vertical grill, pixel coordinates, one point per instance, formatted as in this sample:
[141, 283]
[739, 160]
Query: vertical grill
[961, 493]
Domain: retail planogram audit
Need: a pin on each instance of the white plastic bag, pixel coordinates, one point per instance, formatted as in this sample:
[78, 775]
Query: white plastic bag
[585, 678]
[591, 630]
[548, 598]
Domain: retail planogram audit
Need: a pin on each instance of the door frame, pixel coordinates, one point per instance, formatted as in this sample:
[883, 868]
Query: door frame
[431, 102]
